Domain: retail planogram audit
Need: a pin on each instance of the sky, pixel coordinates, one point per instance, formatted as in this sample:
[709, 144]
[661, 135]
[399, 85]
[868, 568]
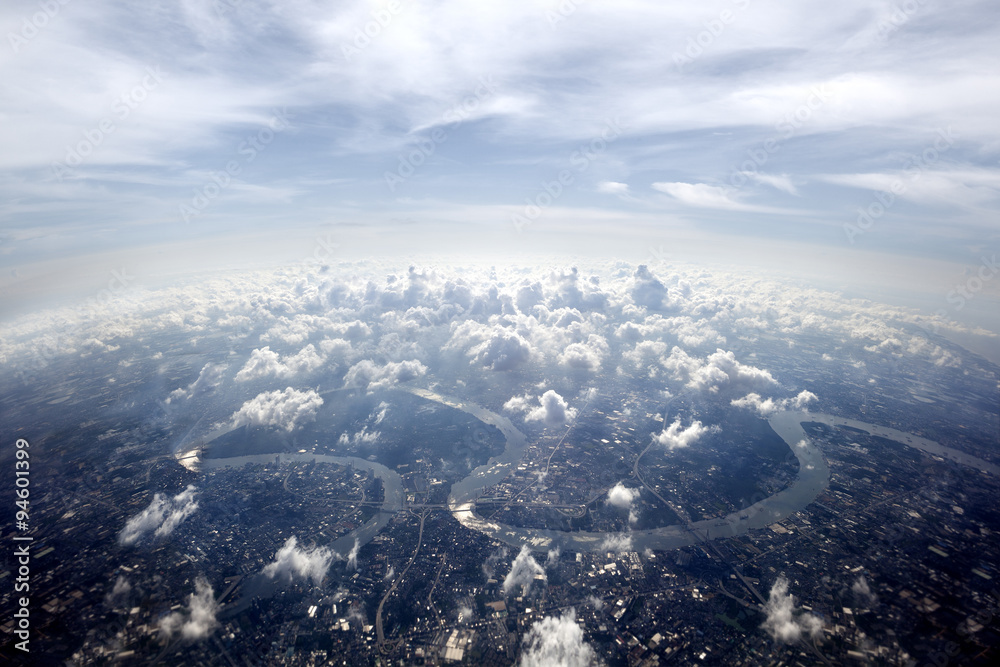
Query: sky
[856, 142]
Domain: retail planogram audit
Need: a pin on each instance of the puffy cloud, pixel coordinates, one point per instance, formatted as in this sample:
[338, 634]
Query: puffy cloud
[674, 437]
[863, 592]
[352, 556]
[355, 331]
[362, 437]
[522, 573]
[294, 562]
[295, 330]
[612, 188]
[162, 516]
[585, 356]
[288, 409]
[119, 592]
[208, 379]
[197, 621]
[719, 370]
[647, 290]
[617, 543]
[767, 407]
[493, 560]
[503, 351]
[785, 622]
[553, 409]
[623, 498]
[367, 375]
[802, 399]
[557, 642]
[264, 363]
[553, 557]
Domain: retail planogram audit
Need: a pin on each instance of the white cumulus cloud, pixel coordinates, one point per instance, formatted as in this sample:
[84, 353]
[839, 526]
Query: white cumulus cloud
[552, 409]
[557, 642]
[208, 379]
[197, 621]
[367, 375]
[162, 516]
[785, 622]
[522, 573]
[766, 407]
[674, 437]
[288, 409]
[265, 363]
[293, 562]
[617, 543]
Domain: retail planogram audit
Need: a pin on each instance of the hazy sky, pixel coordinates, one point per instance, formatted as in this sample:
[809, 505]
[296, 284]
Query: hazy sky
[712, 129]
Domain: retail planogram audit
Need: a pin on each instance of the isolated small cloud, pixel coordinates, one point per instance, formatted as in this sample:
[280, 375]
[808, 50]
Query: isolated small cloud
[198, 620]
[522, 573]
[119, 592]
[553, 557]
[162, 516]
[612, 188]
[674, 437]
[785, 622]
[766, 407]
[288, 409]
[777, 181]
[863, 592]
[703, 195]
[617, 543]
[352, 556]
[699, 194]
[557, 642]
[292, 563]
[553, 411]
[624, 498]
[208, 379]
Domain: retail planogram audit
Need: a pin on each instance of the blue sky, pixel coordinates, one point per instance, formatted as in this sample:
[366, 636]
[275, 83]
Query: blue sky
[736, 129]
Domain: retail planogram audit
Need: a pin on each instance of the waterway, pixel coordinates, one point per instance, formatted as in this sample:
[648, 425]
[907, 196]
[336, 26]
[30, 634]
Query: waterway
[813, 479]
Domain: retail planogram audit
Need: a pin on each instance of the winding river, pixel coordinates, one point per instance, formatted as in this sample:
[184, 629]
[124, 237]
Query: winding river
[812, 480]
